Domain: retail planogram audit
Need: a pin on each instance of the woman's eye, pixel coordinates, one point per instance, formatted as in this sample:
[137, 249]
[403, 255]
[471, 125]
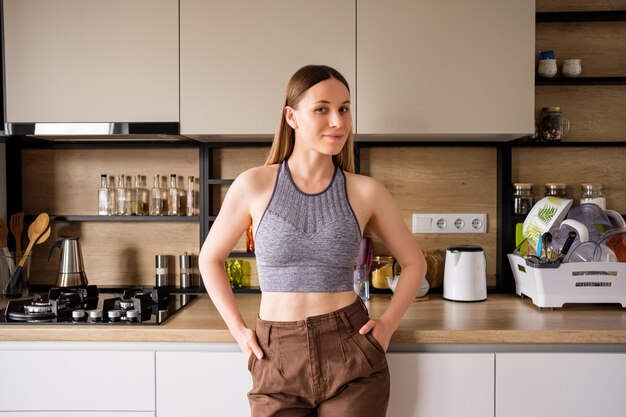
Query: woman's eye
[344, 109]
[320, 110]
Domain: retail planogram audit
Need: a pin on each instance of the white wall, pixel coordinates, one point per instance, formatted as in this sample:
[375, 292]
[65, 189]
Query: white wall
[3, 183]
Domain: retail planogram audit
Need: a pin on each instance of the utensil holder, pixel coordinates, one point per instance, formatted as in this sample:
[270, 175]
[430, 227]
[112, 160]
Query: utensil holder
[18, 286]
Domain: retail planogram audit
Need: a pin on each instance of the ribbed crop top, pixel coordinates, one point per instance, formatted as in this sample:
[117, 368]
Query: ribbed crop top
[307, 242]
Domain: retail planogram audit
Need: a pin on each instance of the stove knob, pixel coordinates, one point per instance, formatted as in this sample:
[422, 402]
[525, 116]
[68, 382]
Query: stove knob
[95, 315]
[79, 315]
[127, 304]
[114, 315]
[132, 316]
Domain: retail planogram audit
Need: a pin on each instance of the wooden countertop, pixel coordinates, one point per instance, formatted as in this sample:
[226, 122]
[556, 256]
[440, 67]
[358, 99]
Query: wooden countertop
[501, 319]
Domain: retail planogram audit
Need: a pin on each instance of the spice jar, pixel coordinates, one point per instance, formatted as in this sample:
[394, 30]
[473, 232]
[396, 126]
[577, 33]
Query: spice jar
[592, 193]
[556, 189]
[522, 198]
[553, 125]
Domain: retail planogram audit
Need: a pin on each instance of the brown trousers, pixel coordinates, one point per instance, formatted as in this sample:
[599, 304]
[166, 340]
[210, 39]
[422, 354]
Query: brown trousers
[320, 366]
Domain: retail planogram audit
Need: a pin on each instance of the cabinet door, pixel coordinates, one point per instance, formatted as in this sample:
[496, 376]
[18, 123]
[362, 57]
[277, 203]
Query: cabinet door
[95, 61]
[441, 384]
[446, 68]
[560, 384]
[237, 56]
[202, 384]
[77, 414]
[76, 381]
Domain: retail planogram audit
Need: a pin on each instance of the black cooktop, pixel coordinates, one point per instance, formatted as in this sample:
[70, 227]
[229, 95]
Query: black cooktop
[90, 305]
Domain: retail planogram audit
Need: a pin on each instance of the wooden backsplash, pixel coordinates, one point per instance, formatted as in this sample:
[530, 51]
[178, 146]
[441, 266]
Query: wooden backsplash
[65, 182]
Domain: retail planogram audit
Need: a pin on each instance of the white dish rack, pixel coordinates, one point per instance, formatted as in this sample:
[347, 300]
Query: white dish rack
[575, 282]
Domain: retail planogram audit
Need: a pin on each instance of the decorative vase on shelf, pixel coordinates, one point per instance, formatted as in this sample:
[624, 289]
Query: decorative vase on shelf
[571, 68]
[547, 68]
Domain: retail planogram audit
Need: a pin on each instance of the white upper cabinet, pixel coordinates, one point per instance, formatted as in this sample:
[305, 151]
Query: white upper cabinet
[444, 68]
[236, 57]
[91, 61]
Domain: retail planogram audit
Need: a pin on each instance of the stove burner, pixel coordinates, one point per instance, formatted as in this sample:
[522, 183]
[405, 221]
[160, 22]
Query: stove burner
[87, 306]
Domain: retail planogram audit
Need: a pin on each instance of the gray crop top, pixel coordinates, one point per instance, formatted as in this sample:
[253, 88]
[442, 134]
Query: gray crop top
[307, 242]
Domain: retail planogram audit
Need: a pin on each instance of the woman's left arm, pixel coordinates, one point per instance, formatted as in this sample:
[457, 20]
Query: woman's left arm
[387, 223]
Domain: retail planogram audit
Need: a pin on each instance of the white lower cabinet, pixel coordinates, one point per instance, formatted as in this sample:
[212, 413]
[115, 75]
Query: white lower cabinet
[441, 384]
[207, 384]
[422, 384]
[92, 383]
[560, 384]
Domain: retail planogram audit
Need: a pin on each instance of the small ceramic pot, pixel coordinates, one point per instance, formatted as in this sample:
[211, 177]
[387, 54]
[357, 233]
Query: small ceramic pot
[547, 68]
[571, 68]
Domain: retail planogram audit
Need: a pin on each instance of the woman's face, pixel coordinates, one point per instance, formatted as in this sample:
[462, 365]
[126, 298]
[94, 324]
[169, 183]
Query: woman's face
[322, 119]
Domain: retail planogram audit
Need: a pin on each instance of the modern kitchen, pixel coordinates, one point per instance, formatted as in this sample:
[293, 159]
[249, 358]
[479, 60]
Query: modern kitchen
[497, 127]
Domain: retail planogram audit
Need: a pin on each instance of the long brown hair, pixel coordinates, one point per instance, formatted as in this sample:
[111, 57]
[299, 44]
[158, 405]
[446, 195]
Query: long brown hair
[305, 78]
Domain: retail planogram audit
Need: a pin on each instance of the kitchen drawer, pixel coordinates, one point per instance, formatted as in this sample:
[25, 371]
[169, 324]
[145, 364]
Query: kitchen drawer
[68, 380]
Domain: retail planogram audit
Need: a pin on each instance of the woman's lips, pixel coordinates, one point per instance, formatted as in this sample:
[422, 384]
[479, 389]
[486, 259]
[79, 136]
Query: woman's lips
[334, 136]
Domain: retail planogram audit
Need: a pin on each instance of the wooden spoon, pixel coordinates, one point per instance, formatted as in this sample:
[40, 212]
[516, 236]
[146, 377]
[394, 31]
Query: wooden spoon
[17, 227]
[39, 228]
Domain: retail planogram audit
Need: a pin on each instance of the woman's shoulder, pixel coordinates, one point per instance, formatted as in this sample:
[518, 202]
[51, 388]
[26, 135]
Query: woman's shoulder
[363, 184]
[257, 178]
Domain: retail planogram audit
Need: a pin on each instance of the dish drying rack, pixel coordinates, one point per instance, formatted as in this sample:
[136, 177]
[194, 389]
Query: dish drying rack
[574, 282]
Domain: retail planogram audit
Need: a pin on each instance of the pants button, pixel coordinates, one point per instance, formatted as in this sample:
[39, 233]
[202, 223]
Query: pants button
[310, 325]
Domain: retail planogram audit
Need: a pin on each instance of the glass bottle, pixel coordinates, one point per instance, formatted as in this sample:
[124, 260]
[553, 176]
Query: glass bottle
[164, 196]
[361, 282]
[593, 193]
[140, 197]
[104, 200]
[191, 197]
[122, 201]
[111, 185]
[156, 199]
[522, 198]
[182, 196]
[172, 197]
[556, 189]
[134, 205]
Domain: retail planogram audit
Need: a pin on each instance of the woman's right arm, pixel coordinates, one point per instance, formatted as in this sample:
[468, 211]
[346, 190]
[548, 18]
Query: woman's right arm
[231, 222]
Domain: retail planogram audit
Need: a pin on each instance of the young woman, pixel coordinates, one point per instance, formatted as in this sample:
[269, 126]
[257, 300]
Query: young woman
[314, 351]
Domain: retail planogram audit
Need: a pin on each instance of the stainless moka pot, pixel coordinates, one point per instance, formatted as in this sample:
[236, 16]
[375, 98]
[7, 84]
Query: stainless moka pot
[71, 269]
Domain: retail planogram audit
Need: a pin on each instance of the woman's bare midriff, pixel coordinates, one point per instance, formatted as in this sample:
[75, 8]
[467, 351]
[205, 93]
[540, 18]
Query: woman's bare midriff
[294, 306]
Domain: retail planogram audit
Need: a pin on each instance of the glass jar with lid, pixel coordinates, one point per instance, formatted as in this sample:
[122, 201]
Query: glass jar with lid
[522, 197]
[556, 189]
[593, 193]
[553, 125]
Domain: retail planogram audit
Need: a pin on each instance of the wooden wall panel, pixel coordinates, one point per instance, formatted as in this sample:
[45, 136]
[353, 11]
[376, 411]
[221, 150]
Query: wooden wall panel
[66, 181]
[227, 163]
[120, 253]
[440, 180]
[600, 45]
[573, 166]
[579, 5]
[596, 113]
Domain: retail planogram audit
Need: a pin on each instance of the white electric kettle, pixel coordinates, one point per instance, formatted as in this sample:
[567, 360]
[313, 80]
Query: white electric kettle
[464, 277]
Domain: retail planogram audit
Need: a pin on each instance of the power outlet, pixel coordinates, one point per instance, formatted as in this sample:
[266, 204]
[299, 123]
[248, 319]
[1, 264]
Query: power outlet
[450, 223]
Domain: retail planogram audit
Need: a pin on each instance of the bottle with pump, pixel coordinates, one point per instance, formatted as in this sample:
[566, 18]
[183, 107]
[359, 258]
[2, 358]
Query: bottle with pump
[156, 199]
[191, 197]
[173, 200]
[104, 201]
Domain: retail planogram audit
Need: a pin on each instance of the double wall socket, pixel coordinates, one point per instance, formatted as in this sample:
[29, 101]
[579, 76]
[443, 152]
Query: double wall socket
[450, 223]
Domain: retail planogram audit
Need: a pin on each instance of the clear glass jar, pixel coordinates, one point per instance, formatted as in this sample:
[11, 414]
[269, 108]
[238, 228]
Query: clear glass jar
[522, 198]
[593, 193]
[553, 125]
[556, 189]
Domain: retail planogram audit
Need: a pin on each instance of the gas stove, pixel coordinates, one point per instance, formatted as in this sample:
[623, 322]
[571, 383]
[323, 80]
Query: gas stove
[87, 305]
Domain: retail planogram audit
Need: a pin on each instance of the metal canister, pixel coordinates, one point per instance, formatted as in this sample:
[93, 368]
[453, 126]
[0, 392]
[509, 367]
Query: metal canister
[161, 271]
[186, 271]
